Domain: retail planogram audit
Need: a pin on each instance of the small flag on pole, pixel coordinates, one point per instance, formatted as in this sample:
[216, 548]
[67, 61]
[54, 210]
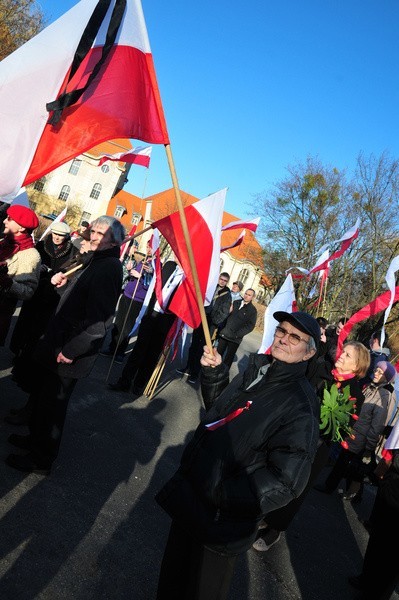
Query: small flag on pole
[137, 156]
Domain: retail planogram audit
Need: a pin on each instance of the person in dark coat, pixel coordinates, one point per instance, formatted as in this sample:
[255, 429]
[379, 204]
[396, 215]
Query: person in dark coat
[252, 453]
[151, 336]
[69, 347]
[380, 573]
[240, 322]
[129, 305]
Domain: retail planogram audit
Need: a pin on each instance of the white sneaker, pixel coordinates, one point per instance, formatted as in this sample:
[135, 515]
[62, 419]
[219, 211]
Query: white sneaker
[264, 544]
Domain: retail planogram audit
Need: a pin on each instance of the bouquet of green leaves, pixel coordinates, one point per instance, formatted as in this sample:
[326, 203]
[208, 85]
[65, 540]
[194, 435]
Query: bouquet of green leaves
[337, 408]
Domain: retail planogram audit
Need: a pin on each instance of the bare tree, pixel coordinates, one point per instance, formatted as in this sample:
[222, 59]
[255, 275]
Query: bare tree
[315, 205]
[20, 20]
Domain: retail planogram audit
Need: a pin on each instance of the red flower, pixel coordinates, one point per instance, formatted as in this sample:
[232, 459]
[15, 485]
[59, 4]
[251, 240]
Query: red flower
[344, 445]
[355, 417]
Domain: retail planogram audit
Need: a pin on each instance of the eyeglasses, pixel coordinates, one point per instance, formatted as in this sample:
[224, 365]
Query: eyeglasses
[293, 338]
[222, 279]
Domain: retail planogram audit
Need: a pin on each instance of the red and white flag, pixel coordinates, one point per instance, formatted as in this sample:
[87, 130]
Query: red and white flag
[238, 241]
[106, 90]
[283, 300]
[58, 219]
[125, 246]
[204, 220]
[137, 156]
[251, 225]
[345, 241]
[322, 260]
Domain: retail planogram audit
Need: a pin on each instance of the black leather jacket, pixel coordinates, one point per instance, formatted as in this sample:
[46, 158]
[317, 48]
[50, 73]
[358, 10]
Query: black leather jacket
[230, 477]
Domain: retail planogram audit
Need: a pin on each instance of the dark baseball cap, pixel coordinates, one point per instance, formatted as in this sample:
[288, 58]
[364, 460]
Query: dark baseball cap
[303, 321]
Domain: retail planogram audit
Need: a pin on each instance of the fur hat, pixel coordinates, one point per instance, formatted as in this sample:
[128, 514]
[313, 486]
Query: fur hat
[60, 227]
[24, 216]
[388, 368]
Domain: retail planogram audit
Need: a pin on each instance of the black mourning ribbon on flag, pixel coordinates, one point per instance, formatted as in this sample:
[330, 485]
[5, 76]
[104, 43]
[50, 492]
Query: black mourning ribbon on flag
[86, 41]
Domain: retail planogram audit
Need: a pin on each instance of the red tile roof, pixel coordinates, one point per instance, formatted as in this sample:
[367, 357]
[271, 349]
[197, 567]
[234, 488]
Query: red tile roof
[164, 204]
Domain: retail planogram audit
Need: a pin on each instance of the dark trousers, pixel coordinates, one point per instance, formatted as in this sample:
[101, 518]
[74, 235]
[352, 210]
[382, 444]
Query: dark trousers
[50, 401]
[380, 566]
[227, 350]
[189, 571]
[143, 359]
[340, 470]
[125, 318]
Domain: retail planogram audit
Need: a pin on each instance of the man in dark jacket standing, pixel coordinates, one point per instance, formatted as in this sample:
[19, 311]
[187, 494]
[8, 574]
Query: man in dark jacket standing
[216, 314]
[240, 322]
[70, 345]
[251, 454]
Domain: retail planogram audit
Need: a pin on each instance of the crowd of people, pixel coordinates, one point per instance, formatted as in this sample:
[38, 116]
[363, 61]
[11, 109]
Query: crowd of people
[259, 448]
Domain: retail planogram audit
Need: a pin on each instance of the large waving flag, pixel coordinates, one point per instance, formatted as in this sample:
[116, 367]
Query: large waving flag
[93, 70]
[204, 220]
[283, 300]
[136, 156]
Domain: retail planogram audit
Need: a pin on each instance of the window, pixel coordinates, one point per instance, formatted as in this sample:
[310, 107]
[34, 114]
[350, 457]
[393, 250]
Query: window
[119, 212]
[85, 217]
[105, 168]
[75, 166]
[243, 276]
[65, 191]
[221, 264]
[136, 218]
[39, 185]
[261, 295]
[95, 192]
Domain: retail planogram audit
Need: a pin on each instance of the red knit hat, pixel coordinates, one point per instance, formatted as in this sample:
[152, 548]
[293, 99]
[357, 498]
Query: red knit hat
[24, 216]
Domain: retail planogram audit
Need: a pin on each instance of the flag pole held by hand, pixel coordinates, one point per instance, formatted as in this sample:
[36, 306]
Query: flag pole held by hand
[187, 239]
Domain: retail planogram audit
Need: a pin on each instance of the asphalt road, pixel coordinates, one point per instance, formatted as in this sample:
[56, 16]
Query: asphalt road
[92, 530]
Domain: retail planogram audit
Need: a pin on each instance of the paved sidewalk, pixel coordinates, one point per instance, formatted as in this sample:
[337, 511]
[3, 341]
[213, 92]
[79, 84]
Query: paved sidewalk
[92, 531]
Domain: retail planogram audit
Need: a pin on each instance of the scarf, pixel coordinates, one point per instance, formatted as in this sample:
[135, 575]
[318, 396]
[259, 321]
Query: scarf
[341, 376]
[10, 245]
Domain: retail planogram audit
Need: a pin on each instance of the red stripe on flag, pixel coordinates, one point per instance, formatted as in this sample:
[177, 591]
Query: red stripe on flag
[184, 303]
[122, 102]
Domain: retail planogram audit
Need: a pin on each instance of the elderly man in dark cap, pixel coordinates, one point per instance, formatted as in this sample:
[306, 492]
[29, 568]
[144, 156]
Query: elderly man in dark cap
[251, 454]
[19, 263]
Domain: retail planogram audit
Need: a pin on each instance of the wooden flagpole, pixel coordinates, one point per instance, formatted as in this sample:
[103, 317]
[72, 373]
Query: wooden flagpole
[187, 239]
